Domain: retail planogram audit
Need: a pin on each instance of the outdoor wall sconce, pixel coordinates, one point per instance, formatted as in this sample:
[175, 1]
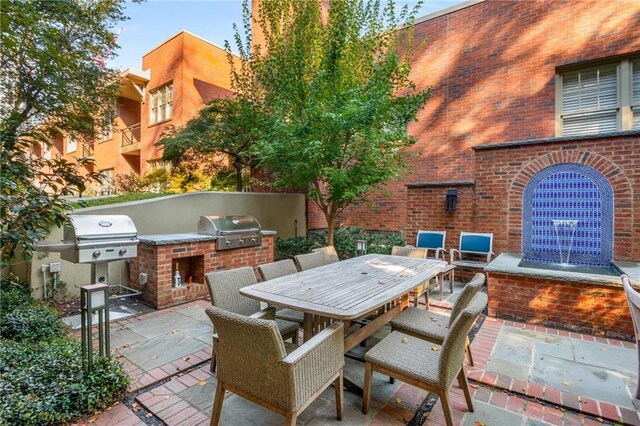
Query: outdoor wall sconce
[361, 247]
[94, 299]
[451, 200]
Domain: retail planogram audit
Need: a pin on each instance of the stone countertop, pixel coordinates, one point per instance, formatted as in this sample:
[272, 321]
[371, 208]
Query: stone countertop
[508, 263]
[187, 237]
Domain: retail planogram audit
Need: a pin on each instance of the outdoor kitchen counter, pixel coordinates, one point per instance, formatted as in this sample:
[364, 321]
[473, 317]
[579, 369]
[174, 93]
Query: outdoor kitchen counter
[187, 237]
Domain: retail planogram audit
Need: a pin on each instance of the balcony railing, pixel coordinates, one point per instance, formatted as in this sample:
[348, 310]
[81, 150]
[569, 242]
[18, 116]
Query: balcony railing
[131, 135]
[87, 149]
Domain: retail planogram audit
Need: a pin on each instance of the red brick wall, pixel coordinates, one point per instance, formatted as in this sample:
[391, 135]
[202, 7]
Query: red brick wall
[158, 261]
[583, 307]
[503, 173]
[492, 68]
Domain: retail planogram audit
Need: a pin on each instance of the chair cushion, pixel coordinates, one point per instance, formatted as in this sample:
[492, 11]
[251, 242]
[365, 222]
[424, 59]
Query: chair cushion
[415, 358]
[418, 322]
[290, 315]
[286, 327]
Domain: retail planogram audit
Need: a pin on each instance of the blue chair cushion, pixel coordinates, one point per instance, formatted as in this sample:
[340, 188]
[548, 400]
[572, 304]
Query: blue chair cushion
[432, 240]
[475, 243]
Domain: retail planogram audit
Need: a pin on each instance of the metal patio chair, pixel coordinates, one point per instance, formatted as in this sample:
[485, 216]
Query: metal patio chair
[473, 243]
[270, 271]
[432, 240]
[254, 364]
[224, 290]
[633, 299]
[424, 365]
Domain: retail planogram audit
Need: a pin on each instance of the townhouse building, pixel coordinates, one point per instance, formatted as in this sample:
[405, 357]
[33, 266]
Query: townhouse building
[180, 75]
[524, 93]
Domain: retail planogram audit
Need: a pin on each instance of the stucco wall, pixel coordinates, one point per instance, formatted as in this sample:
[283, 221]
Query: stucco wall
[173, 214]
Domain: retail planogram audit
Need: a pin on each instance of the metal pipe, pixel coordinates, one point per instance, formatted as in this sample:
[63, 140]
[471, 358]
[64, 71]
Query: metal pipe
[44, 282]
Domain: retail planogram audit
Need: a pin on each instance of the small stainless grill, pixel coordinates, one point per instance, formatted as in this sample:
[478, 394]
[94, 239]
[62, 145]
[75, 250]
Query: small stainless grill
[232, 231]
[96, 239]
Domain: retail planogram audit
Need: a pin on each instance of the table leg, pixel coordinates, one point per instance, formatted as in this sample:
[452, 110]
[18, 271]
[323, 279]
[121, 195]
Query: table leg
[441, 284]
[307, 327]
[451, 279]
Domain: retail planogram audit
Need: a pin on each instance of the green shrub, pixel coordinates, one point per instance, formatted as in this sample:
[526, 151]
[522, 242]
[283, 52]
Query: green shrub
[14, 294]
[344, 241]
[44, 383]
[32, 323]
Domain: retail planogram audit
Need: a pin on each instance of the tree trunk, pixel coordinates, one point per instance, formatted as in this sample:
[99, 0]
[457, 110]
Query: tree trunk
[238, 166]
[331, 223]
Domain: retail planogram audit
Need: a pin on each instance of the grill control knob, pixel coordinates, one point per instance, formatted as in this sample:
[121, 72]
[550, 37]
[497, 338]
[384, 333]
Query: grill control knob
[253, 241]
[96, 253]
[240, 241]
[122, 251]
[228, 243]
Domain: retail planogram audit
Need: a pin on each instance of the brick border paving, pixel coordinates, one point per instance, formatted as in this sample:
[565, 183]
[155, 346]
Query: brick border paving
[483, 344]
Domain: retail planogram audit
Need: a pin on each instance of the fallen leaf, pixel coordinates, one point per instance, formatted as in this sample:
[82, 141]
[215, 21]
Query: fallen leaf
[154, 356]
[135, 407]
[137, 341]
[473, 385]
[202, 382]
[127, 346]
[435, 348]
[479, 423]
[149, 415]
[404, 340]
[92, 420]
[600, 419]
[398, 400]
[566, 383]
[186, 358]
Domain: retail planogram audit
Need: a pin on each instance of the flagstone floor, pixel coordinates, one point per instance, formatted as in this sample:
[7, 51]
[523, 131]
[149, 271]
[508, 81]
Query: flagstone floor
[523, 375]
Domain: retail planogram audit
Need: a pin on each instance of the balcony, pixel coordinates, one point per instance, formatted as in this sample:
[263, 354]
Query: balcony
[130, 140]
[88, 150]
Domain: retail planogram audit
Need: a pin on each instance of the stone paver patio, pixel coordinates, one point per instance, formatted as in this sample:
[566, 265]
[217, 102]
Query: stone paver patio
[523, 375]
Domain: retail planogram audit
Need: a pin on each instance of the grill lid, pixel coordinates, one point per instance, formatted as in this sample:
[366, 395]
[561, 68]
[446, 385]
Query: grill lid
[99, 227]
[226, 225]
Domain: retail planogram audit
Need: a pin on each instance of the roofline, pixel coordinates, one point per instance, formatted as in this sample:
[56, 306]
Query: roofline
[143, 75]
[191, 34]
[446, 11]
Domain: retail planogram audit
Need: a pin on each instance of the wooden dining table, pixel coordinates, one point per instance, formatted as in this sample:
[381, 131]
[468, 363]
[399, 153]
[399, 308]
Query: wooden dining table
[349, 290]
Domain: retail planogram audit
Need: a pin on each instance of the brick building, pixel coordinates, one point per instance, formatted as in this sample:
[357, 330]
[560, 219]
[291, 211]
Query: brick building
[180, 75]
[517, 87]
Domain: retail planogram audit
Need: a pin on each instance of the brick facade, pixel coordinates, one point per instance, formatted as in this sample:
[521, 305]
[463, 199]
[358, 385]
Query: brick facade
[195, 259]
[492, 68]
[584, 308]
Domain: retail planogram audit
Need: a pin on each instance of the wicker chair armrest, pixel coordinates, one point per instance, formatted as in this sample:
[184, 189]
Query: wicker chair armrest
[315, 363]
[268, 313]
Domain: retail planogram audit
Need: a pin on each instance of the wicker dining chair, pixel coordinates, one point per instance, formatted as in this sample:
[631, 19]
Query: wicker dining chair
[270, 271]
[254, 364]
[419, 253]
[329, 252]
[633, 299]
[224, 290]
[423, 364]
[311, 260]
[434, 327]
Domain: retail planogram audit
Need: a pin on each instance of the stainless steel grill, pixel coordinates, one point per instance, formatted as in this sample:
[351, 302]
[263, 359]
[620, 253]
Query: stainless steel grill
[232, 231]
[96, 239]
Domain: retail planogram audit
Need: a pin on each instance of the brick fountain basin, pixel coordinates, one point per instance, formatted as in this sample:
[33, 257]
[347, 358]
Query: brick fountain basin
[578, 300]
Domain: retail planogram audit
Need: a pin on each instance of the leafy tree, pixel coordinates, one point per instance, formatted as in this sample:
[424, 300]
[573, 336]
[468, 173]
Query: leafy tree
[224, 126]
[335, 94]
[53, 81]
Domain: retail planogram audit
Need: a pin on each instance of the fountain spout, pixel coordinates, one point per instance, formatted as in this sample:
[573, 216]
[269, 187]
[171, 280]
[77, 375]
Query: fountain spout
[565, 231]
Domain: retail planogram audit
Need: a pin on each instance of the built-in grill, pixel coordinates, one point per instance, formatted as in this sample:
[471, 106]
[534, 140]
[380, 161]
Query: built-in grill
[232, 231]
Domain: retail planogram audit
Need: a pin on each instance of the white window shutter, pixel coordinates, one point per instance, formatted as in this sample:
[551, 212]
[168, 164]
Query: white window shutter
[635, 101]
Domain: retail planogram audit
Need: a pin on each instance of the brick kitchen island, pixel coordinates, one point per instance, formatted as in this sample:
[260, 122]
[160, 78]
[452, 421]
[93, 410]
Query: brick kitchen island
[195, 255]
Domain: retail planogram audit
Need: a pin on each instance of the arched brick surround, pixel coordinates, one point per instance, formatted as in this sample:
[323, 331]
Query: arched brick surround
[622, 193]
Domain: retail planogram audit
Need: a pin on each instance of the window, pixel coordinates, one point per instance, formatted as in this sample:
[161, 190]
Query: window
[106, 126]
[161, 104]
[107, 177]
[599, 99]
[72, 145]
